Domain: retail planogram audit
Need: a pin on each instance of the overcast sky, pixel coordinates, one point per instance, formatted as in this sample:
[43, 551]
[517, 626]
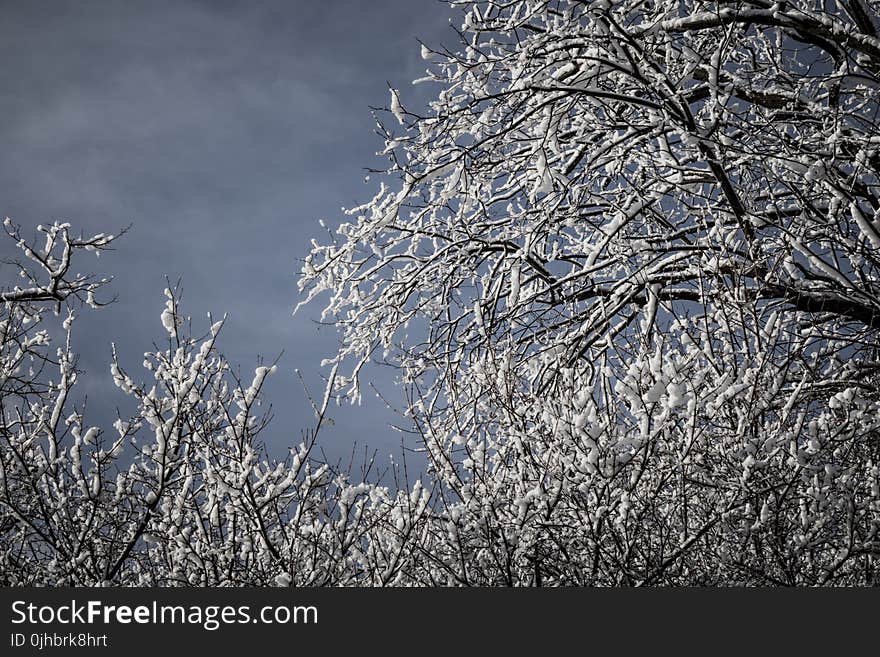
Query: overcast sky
[222, 131]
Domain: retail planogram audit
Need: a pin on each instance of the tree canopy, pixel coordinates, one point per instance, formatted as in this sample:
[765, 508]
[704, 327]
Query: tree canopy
[626, 267]
[630, 271]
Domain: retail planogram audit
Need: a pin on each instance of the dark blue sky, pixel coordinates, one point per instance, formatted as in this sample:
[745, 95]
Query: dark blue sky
[222, 131]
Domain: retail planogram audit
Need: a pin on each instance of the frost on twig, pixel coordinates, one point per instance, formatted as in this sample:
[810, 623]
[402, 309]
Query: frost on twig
[46, 269]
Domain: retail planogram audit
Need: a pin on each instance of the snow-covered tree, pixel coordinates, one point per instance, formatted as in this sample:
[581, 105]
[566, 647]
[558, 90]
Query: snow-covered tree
[628, 265]
[181, 493]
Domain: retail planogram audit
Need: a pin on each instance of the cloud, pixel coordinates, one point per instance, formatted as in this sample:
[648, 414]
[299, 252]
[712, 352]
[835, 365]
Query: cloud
[222, 131]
